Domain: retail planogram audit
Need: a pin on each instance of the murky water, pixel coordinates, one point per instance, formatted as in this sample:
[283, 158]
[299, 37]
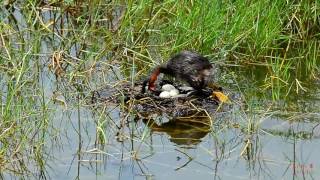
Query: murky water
[253, 139]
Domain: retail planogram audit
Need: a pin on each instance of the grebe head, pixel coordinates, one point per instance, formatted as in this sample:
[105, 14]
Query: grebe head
[199, 78]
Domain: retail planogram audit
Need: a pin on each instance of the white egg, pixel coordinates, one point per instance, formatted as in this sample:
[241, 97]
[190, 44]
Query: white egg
[165, 94]
[174, 92]
[167, 87]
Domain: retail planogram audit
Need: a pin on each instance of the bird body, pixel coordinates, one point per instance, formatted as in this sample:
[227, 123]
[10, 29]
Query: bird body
[188, 66]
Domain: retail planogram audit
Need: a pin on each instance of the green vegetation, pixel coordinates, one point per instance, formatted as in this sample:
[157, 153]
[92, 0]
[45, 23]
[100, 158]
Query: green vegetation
[54, 53]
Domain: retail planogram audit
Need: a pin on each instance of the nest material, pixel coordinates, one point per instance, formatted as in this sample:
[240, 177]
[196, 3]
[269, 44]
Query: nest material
[148, 104]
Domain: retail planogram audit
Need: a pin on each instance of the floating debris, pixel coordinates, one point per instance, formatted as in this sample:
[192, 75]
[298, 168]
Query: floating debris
[220, 97]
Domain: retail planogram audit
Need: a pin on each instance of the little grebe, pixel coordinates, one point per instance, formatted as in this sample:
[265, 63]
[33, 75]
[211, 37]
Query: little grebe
[189, 66]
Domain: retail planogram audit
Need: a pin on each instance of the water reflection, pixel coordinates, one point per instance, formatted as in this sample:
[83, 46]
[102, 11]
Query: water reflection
[187, 131]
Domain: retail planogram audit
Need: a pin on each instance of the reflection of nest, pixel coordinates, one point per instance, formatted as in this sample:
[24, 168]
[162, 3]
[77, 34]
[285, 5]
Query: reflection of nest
[183, 130]
[148, 104]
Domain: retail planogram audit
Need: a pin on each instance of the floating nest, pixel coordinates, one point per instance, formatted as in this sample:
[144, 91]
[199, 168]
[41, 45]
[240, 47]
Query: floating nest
[149, 105]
